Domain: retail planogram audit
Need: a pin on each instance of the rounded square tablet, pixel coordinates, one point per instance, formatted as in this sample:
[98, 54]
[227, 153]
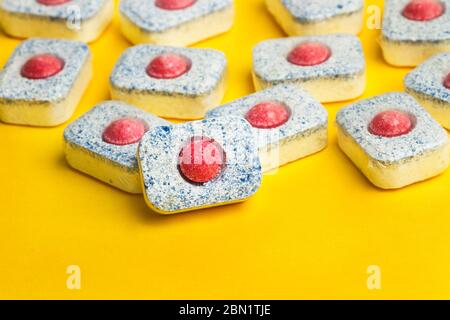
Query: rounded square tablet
[170, 82]
[175, 23]
[103, 143]
[43, 81]
[414, 30]
[83, 20]
[393, 140]
[330, 67]
[314, 17]
[429, 84]
[199, 164]
[288, 123]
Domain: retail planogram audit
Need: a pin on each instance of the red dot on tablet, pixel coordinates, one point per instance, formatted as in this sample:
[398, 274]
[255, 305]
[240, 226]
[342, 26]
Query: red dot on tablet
[174, 4]
[168, 66]
[268, 115]
[42, 66]
[201, 160]
[124, 131]
[52, 2]
[447, 81]
[391, 123]
[309, 54]
[423, 10]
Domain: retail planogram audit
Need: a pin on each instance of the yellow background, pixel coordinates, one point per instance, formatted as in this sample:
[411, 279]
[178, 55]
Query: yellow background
[310, 232]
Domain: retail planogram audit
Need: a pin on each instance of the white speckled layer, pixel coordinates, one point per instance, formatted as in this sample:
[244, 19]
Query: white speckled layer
[87, 8]
[15, 87]
[428, 78]
[168, 191]
[426, 136]
[86, 132]
[307, 114]
[207, 70]
[270, 62]
[318, 10]
[146, 15]
[398, 28]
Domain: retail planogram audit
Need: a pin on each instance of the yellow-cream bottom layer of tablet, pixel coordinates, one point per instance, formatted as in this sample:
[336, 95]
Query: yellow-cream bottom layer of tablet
[325, 90]
[407, 54]
[395, 175]
[183, 35]
[103, 169]
[47, 114]
[166, 213]
[25, 26]
[350, 23]
[438, 109]
[173, 106]
[288, 151]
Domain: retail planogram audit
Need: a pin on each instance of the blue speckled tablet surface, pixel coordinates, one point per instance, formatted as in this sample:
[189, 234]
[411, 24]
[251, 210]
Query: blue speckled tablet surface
[207, 70]
[398, 28]
[86, 8]
[15, 87]
[318, 10]
[307, 114]
[86, 132]
[168, 191]
[147, 16]
[426, 136]
[270, 62]
[428, 78]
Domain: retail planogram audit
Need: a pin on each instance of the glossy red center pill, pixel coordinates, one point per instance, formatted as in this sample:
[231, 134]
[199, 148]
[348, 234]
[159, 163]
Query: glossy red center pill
[174, 4]
[42, 66]
[423, 10]
[201, 160]
[309, 54]
[447, 81]
[168, 66]
[268, 115]
[52, 2]
[391, 123]
[124, 131]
